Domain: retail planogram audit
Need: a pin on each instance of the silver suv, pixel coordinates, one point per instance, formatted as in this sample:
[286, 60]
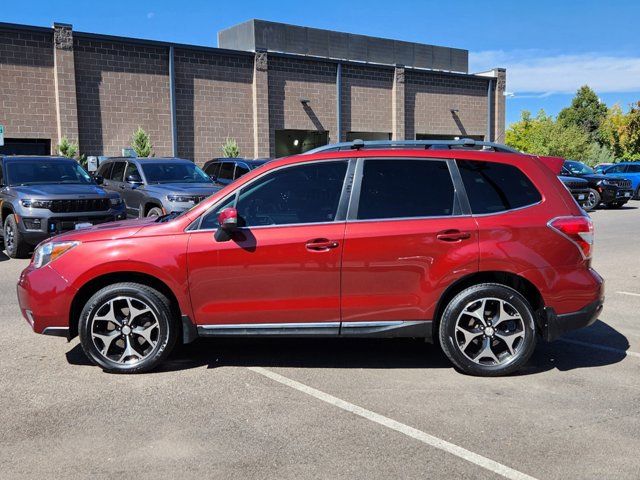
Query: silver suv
[151, 187]
[44, 196]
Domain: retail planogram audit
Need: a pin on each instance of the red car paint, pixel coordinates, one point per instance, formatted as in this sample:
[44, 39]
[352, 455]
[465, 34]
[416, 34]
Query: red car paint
[372, 270]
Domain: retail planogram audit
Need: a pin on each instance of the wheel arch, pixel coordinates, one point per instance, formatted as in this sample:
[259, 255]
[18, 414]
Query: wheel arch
[101, 281]
[149, 204]
[5, 210]
[508, 279]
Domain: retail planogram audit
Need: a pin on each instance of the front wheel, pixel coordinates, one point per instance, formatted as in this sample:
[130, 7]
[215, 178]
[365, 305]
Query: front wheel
[154, 212]
[592, 200]
[14, 244]
[488, 330]
[127, 328]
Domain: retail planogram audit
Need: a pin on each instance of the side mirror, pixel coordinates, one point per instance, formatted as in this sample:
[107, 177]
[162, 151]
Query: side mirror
[99, 179]
[228, 222]
[134, 178]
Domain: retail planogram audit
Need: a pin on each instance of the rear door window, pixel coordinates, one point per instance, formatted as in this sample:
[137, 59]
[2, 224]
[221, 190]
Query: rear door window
[226, 171]
[633, 168]
[496, 187]
[117, 174]
[399, 188]
[213, 169]
[241, 169]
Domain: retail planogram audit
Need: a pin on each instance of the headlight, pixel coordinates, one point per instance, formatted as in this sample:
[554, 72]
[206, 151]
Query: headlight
[607, 182]
[48, 252]
[36, 203]
[181, 198]
[115, 201]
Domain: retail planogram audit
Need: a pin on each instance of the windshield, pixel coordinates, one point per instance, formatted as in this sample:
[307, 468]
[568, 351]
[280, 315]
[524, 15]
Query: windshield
[40, 172]
[167, 172]
[578, 168]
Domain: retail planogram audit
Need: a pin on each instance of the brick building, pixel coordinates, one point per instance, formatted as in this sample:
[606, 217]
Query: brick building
[277, 89]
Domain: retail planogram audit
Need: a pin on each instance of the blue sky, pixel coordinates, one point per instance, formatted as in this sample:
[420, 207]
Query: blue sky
[549, 48]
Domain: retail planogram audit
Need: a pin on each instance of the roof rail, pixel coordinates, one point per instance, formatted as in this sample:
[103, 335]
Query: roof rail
[422, 144]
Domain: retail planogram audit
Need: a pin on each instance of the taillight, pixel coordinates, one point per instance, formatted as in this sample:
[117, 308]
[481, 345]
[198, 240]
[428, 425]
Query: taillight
[578, 230]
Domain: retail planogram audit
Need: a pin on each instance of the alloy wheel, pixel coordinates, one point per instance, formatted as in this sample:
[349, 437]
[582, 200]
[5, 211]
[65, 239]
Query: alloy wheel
[125, 330]
[590, 202]
[9, 237]
[490, 331]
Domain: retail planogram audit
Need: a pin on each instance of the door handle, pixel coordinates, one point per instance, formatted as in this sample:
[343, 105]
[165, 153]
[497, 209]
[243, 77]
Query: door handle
[453, 236]
[321, 244]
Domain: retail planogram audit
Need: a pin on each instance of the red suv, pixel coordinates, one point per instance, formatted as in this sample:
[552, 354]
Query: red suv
[463, 243]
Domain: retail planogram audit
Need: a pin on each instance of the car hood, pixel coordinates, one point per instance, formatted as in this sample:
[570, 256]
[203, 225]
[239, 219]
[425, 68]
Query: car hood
[182, 188]
[593, 176]
[107, 231]
[55, 191]
[566, 179]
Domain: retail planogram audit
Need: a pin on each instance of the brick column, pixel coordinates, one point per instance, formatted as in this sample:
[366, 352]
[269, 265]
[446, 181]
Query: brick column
[398, 104]
[65, 82]
[499, 104]
[261, 131]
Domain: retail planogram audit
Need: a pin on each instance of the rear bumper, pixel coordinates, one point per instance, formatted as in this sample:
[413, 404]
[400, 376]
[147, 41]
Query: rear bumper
[554, 326]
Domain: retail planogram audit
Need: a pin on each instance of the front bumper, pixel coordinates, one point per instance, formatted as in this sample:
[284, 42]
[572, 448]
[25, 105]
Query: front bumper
[554, 326]
[615, 194]
[580, 195]
[45, 299]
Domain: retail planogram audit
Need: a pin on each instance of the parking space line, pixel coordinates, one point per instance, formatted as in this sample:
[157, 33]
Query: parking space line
[602, 347]
[629, 293]
[414, 433]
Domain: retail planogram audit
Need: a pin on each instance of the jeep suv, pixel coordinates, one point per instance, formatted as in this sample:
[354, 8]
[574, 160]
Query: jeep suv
[482, 251]
[612, 192]
[151, 187]
[44, 196]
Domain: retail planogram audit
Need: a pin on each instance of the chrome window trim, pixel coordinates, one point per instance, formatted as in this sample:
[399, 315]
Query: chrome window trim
[235, 193]
[357, 185]
[508, 211]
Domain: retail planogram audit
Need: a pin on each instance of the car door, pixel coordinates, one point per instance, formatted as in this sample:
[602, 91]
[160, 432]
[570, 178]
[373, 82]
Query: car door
[281, 269]
[116, 180]
[131, 193]
[407, 239]
[104, 171]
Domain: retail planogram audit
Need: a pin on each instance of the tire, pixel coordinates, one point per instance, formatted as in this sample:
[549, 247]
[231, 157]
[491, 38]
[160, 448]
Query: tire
[155, 212]
[592, 201]
[636, 196]
[14, 244]
[491, 350]
[149, 338]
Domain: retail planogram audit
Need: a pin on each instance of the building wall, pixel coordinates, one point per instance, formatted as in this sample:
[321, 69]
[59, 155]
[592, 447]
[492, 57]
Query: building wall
[430, 98]
[292, 79]
[123, 83]
[213, 102]
[120, 87]
[27, 91]
[366, 99]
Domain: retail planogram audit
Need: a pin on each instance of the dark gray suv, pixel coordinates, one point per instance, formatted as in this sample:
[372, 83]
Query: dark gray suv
[151, 187]
[44, 196]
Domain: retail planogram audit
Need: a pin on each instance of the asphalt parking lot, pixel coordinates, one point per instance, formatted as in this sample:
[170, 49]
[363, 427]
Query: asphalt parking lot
[332, 408]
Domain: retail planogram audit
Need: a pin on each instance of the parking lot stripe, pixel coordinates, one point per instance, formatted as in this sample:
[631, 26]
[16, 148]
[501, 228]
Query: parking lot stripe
[629, 293]
[414, 433]
[602, 347]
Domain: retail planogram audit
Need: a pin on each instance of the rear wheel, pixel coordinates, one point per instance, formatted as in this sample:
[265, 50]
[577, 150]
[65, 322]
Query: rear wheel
[592, 200]
[127, 328]
[154, 212]
[636, 196]
[14, 244]
[488, 330]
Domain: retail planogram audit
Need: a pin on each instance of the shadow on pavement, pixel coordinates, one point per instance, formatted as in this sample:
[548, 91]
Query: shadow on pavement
[374, 353]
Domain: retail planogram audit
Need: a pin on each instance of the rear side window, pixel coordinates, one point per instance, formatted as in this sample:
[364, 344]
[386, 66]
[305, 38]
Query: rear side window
[633, 169]
[405, 188]
[496, 187]
[212, 169]
[226, 171]
[105, 170]
[118, 171]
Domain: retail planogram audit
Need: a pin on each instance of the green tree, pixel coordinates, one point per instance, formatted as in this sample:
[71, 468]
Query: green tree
[621, 132]
[67, 149]
[141, 143]
[230, 148]
[542, 135]
[586, 112]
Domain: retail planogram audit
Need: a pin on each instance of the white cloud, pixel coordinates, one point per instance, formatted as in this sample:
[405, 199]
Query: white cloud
[533, 71]
[150, 15]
